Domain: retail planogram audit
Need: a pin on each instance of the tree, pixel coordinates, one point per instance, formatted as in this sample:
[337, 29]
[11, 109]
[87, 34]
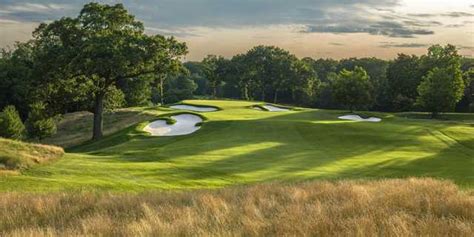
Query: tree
[11, 125]
[469, 91]
[196, 74]
[304, 83]
[403, 75]
[440, 57]
[440, 90]
[179, 88]
[137, 91]
[283, 72]
[266, 70]
[101, 46]
[114, 99]
[353, 88]
[326, 70]
[258, 59]
[467, 102]
[17, 77]
[214, 70]
[167, 68]
[377, 71]
[39, 125]
[443, 85]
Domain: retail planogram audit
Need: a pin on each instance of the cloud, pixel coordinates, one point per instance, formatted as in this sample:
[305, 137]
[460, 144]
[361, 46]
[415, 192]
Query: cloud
[386, 28]
[34, 7]
[174, 32]
[375, 17]
[418, 23]
[455, 25]
[421, 15]
[403, 45]
[457, 14]
[465, 47]
[34, 12]
[385, 10]
[336, 44]
[176, 14]
[447, 14]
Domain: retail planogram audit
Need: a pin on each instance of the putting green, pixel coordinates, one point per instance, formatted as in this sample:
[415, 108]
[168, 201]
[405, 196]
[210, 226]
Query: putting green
[239, 145]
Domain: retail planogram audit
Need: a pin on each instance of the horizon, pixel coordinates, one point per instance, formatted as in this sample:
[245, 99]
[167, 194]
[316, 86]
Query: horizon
[316, 29]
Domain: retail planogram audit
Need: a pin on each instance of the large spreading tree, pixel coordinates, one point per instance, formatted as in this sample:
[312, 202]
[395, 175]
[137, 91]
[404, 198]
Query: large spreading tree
[103, 45]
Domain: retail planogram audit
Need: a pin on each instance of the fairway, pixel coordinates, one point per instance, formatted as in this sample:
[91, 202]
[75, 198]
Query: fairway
[239, 145]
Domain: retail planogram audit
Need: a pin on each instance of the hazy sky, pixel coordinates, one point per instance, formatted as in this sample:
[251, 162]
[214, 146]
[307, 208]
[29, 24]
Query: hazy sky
[315, 28]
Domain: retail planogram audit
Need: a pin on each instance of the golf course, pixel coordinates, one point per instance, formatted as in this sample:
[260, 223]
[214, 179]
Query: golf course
[240, 145]
[236, 118]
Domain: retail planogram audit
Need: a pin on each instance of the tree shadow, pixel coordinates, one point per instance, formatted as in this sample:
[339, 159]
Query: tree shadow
[305, 145]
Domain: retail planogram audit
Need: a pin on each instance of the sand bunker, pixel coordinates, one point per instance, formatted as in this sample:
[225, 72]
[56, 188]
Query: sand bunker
[194, 108]
[185, 124]
[358, 118]
[272, 108]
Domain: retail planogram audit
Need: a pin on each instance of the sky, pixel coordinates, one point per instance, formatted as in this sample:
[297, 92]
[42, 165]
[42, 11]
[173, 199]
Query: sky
[308, 28]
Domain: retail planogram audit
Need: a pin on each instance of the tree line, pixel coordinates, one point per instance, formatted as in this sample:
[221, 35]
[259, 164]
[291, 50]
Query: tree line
[102, 59]
[440, 81]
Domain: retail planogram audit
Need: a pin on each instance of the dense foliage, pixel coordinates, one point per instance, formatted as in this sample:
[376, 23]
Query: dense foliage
[353, 88]
[11, 125]
[38, 124]
[102, 60]
[272, 74]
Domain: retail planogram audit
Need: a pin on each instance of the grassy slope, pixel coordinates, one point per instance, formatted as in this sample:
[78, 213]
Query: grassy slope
[421, 207]
[240, 145]
[76, 128]
[18, 155]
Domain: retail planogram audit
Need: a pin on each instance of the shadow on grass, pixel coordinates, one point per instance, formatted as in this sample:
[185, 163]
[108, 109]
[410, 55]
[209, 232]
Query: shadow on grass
[306, 145]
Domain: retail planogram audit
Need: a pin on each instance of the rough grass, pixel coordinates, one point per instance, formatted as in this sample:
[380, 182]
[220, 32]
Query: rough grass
[16, 155]
[76, 128]
[411, 207]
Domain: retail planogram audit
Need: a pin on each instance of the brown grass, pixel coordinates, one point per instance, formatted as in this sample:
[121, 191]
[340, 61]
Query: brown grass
[76, 128]
[411, 207]
[16, 155]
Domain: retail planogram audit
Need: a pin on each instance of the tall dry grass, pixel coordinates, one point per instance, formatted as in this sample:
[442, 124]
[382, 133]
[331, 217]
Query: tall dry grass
[76, 128]
[18, 155]
[411, 207]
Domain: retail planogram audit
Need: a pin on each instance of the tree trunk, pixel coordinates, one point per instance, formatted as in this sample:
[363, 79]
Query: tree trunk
[98, 116]
[245, 92]
[263, 94]
[275, 97]
[161, 91]
[214, 90]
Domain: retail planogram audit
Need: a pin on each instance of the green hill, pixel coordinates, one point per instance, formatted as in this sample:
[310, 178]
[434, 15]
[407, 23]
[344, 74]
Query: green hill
[15, 155]
[239, 145]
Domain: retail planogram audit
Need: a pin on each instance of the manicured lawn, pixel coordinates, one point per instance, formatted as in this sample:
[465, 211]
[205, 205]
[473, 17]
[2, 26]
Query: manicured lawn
[239, 145]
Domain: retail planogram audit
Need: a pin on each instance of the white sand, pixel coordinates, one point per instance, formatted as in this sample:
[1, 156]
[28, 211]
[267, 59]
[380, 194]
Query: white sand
[185, 124]
[272, 108]
[194, 108]
[358, 118]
